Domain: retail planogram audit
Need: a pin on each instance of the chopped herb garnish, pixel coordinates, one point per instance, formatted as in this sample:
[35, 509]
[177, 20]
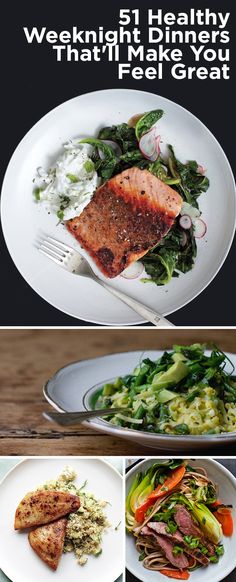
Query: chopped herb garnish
[60, 214]
[219, 550]
[177, 550]
[89, 166]
[84, 485]
[72, 178]
[117, 526]
[214, 559]
[98, 553]
[37, 193]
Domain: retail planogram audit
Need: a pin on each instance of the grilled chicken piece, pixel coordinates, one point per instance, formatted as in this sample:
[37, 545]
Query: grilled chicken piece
[41, 507]
[127, 216]
[48, 541]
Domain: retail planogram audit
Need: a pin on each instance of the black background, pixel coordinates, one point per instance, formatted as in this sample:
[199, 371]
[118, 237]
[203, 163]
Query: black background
[34, 83]
[230, 464]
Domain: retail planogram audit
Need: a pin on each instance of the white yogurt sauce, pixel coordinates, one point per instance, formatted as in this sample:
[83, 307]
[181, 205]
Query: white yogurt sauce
[68, 186]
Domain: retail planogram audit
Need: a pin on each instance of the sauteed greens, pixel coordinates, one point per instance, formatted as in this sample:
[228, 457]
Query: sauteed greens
[177, 250]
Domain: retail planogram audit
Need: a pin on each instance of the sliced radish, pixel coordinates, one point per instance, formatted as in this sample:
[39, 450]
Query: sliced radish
[184, 239]
[158, 140]
[185, 221]
[190, 210]
[200, 228]
[201, 170]
[133, 271]
[149, 146]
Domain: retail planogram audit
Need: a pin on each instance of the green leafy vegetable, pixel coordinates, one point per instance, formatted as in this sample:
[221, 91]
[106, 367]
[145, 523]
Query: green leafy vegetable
[105, 166]
[192, 182]
[121, 134]
[147, 121]
[159, 265]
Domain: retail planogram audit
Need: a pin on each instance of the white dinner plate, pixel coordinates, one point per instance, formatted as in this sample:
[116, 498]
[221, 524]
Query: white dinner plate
[23, 220]
[227, 494]
[72, 387]
[19, 561]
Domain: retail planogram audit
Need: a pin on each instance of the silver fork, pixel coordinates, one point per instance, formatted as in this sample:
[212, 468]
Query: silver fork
[66, 257]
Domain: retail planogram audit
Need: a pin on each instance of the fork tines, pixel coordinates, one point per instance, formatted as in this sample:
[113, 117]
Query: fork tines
[54, 249]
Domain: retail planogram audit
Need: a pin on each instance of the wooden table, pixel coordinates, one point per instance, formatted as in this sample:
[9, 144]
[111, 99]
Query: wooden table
[30, 357]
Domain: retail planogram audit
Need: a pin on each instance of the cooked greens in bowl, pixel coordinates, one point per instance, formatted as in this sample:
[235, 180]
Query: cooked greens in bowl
[186, 391]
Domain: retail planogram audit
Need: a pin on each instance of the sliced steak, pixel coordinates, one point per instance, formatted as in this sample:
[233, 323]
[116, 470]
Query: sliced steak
[167, 547]
[188, 527]
[160, 528]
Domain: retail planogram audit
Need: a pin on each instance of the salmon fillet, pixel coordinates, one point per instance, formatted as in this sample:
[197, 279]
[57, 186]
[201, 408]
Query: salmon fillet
[48, 541]
[41, 507]
[127, 216]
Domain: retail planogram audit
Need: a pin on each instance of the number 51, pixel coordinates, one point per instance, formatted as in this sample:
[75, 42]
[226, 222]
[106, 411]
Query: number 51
[125, 16]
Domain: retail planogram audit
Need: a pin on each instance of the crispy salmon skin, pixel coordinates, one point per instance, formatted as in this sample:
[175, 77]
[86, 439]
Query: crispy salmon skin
[40, 507]
[48, 541]
[127, 216]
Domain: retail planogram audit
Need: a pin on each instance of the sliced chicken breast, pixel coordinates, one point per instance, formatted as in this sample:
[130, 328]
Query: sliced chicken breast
[48, 541]
[40, 507]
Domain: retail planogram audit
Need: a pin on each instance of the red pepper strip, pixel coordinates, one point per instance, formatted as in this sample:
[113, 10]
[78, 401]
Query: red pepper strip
[175, 477]
[224, 517]
[178, 574]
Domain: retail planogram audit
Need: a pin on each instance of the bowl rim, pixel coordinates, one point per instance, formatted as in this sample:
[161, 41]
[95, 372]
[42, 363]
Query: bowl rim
[215, 463]
[102, 425]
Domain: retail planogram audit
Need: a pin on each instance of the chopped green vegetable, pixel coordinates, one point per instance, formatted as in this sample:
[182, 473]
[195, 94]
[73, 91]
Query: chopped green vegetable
[177, 550]
[182, 428]
[219, 550]
[60, 214]
[89, 166]
[72, 178]
[37, 193]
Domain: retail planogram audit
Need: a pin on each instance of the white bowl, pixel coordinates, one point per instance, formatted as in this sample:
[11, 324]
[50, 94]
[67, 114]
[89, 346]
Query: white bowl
[71, 388]
[227, 493]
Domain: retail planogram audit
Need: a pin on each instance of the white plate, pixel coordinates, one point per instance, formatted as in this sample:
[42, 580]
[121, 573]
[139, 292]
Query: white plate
[18, 560]
[23, 219]
[70, 390]
[216, 572]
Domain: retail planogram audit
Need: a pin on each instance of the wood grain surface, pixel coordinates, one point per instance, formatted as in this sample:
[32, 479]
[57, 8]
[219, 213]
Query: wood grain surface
[30, 357]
